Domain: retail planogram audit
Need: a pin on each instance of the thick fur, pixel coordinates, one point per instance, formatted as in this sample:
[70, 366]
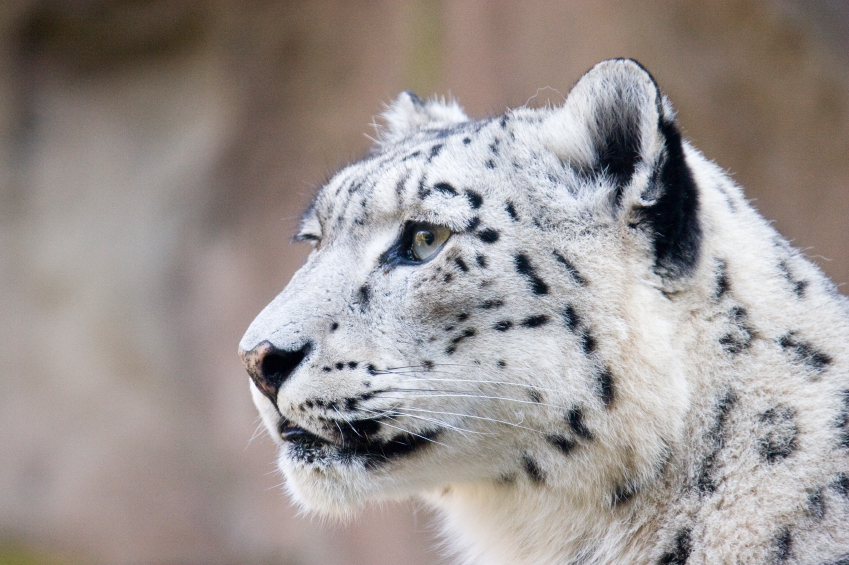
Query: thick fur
[613, 358]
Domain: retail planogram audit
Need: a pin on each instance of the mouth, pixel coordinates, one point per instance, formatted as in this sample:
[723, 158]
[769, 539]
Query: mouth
[297, 435]
[364, 448]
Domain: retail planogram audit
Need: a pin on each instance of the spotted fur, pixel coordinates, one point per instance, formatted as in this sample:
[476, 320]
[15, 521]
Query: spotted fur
[613, 359]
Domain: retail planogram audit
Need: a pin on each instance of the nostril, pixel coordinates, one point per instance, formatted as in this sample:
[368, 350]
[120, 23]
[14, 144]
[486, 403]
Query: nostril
[270, 366]
[279, 364]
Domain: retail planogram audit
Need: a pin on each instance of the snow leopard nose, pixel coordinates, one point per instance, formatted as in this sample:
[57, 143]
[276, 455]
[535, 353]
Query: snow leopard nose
[269, 367]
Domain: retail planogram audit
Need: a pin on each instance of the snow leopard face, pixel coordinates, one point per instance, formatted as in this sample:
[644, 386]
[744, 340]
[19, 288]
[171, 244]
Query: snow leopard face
[463, 316]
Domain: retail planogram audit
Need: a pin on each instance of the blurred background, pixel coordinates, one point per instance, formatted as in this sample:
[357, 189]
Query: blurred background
[155, 156]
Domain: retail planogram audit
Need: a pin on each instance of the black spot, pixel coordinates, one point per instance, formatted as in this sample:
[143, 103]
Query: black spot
[780, 439]
[723, 285]
[461, 264]
[363, 296]
[434, 151]
[501, 363]
[605, 386]
[488, 235]
[481, 261]
[445, 188]
[533, 470]
[534, 395]
[490, 304]
[326, 369]
[575, 418]
[570, 268]
[588, 343]
[371, 369]
[334, 326]
[462, 317]
[716, 438]
[535, 321]
[473, 223]
[424, 191]
[798, 286]
[511, 211]
[340, 366]
[842, 561]
[490, 164]
[493, 147]
[570, 318]
[523, 266]
[503, 121]
[503, 325]
[352, 364]
[740, 337]
[783, 545]
[841, 485]
[680, 552]
[843, 419]
[467, 333]
[428, 365]
[451, 349]
[467, 140]
[507, 479]
[564, 444]
[805, 352]
[816, 504]
[399, 187]
[351, 404]
[673, 220]
[475, 199]
[623, 494]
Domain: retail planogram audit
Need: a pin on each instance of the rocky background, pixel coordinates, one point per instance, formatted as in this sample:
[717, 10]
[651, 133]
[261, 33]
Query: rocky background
[155, 156]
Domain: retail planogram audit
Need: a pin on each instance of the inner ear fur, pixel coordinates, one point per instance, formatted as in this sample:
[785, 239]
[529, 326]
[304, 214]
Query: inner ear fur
[616, 127]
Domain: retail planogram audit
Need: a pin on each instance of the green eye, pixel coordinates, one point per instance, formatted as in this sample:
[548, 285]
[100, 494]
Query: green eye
[426, 241]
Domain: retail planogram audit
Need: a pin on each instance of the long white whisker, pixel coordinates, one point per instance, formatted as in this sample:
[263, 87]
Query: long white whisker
[257, 432]
[455, 394]
[432, 420]
[443, 423]
[415, 434]
[485, 418]
[341, 433]
[523, 385]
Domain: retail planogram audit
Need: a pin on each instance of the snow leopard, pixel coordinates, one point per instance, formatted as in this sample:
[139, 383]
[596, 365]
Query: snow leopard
[566, 330]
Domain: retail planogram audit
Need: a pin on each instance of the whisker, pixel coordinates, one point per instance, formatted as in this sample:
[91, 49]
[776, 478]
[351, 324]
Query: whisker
[443, 423]
[260, 429]
[461, 394]
[522, 385]
[485, 418]
[341, 433]
[415, 434]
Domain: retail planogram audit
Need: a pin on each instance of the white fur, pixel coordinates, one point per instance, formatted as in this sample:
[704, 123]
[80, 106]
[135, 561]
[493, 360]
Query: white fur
[660, 338]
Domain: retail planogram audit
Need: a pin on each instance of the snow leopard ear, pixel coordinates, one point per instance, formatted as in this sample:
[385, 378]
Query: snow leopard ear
[618, 131]
[409, 112]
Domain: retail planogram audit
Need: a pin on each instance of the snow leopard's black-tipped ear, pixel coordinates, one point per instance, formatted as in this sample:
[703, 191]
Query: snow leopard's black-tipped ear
[409, 112]
[619, 131]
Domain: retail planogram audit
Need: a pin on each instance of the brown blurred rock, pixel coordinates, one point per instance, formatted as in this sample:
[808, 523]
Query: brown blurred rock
[155, 156]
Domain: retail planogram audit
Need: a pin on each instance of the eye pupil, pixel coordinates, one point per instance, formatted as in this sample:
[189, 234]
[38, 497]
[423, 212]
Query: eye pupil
[425, 237]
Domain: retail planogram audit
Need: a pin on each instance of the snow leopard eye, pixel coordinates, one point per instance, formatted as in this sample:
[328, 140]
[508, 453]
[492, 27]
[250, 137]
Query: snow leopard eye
[425, 241]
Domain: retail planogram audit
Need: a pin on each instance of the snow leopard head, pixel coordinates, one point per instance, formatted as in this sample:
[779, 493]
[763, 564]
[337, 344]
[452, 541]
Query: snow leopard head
[487, 300]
